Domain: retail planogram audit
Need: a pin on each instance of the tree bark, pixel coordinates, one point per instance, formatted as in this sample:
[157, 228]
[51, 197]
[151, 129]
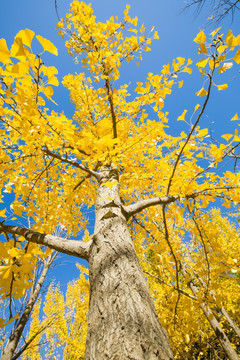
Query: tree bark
[123, 323]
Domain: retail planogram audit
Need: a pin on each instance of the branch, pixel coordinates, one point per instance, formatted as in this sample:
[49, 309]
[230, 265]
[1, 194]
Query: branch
[171, 285]
[71, 162]
[192, 130]
[70, 247]
[133, 209]
[110, 99]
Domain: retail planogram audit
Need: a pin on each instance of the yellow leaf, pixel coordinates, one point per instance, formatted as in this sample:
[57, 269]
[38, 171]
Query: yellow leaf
[202, 48]
[2, 213]
[155, 36]
[26, 36]
[4, 52]
[237, 57]
[17, 48]
[181, 60]
[6, 273]
[200, 38]
[135, 21]
[166, 69]
[225, 67]
[110, 184]
[222, 48]
[202, 132]
[222, 87]
[187, 339]
[180, 84]
[182, 117]
[215, 31]
[227, 136]
[14, 252]
[47, 45]
[48, 91]
[201, 92]
[196, 107]
[235, 117]
[188, 70]
[229, 38]
[148, 41]
[202, 63]
[126, 10]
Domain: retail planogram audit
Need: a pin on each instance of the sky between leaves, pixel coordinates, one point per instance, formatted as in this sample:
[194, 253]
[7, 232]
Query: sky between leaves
[176, 31]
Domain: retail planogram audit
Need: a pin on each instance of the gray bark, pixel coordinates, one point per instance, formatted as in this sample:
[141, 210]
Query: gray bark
[14, 338]
[123, 323]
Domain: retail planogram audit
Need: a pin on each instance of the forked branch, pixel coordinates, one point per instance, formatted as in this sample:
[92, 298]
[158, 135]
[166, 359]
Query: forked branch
[71, 162]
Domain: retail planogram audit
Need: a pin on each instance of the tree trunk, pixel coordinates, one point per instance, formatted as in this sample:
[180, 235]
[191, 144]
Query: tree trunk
[220, 334]
[123, 323]
[230, 321]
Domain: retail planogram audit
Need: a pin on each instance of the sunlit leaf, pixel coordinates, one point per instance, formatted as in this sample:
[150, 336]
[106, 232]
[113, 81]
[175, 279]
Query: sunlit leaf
[222, 87]
[182, 117]
[201, 92]
[26, 36]
[47, 45]
[235, 117]
[201, 37]
[4, 52]
[2, 213]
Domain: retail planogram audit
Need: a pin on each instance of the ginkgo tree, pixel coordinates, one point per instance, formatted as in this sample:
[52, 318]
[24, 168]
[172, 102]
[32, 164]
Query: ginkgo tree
[115, 155]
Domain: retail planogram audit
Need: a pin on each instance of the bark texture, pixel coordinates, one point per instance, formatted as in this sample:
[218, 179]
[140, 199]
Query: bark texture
[123, 323]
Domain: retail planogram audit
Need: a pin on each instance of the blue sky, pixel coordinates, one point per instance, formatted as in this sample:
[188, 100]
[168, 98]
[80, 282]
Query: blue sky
[176, 30]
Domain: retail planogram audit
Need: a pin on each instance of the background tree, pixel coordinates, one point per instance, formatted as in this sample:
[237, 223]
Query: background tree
[66, 336]
[56, 164]
[12, 340]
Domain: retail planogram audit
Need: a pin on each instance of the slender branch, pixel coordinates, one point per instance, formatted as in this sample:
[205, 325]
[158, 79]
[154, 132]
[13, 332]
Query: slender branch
[110, 99]
[171, 285]
[191, 132]
[26, 345]
[133, 209]
[71, 162]
[177, 263]
[193, 216]
[71, 247]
